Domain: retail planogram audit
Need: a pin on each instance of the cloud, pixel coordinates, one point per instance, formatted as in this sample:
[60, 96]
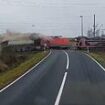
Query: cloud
[51, 17]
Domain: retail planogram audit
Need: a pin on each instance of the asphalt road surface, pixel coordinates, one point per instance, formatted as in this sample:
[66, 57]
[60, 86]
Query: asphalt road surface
[63, 78]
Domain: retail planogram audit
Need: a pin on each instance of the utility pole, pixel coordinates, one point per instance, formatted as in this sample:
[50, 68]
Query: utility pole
[94, 25]
[81, 25]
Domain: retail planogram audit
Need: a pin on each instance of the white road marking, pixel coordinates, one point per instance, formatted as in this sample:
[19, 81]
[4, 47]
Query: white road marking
[96, 62]
[25, 73]
[67, 66]
[61, 90]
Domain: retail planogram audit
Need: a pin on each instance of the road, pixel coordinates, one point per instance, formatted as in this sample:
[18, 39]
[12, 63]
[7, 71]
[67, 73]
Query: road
[64, 78]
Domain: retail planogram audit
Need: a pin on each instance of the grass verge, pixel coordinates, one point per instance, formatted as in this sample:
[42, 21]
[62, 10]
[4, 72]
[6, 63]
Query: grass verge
[100, 57]
[10, 75]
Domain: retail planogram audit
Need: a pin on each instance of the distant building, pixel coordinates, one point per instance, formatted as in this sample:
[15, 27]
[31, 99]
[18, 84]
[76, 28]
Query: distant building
[90, 33]
[98, 33]
[103, 36]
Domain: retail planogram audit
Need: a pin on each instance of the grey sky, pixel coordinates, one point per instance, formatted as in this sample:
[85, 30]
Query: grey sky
[51, 17]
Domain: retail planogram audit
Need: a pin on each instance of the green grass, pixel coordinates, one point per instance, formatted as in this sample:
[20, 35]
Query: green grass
[100, 57]
[10, 75]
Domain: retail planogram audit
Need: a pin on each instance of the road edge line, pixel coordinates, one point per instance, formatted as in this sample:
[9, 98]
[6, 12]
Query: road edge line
[96, 61]
[61, 89]
[1, 90]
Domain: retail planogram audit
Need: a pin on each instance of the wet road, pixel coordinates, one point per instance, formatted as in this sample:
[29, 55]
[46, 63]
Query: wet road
[63, 78]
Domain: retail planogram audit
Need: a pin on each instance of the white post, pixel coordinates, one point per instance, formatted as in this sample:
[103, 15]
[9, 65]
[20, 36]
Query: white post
[88, 50]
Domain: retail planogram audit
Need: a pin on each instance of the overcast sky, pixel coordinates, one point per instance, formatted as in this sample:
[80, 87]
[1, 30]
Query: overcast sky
[50, 17]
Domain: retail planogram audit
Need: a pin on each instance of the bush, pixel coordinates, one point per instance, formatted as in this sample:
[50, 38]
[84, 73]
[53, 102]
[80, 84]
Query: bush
[12, 74]
[3, 67]
[10, 57]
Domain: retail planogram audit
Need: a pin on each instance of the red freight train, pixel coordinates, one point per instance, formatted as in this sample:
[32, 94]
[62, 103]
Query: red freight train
[56, 42]
[59, 43]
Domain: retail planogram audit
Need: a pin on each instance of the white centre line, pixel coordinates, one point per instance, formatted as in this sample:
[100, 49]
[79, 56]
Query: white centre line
[67, 66]
[63, 82]
[61, 90]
